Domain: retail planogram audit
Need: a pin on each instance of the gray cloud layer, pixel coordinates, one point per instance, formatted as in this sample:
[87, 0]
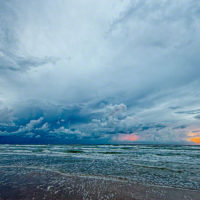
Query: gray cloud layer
[86, 71]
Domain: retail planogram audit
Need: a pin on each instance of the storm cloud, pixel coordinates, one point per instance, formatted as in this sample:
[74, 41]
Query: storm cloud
[94, 71]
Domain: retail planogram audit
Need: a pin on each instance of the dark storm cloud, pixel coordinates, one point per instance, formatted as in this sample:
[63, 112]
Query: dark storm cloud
[197, 116]
[14, 63]
[79, 71]
[196, 111]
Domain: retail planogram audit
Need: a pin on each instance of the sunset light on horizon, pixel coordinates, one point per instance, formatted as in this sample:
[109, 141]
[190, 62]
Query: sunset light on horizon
[194, 137]
[126, 137]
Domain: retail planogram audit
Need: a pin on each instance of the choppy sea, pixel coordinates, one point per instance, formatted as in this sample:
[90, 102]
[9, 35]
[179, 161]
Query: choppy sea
[167, 165]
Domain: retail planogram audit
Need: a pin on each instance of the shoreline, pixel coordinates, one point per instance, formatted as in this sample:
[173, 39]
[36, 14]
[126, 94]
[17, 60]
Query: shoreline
[106, 178]
[19, 183]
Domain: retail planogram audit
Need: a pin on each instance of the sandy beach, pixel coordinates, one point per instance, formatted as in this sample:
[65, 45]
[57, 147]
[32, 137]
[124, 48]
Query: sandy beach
[36, 184]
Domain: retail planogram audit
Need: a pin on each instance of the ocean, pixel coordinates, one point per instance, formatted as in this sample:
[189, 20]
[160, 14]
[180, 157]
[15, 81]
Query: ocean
[163, 165]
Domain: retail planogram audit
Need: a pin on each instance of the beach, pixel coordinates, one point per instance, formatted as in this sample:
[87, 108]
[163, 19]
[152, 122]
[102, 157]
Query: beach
[36, 184]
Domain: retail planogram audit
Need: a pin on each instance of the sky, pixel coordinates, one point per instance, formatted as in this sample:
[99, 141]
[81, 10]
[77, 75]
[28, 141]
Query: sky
[117, 71]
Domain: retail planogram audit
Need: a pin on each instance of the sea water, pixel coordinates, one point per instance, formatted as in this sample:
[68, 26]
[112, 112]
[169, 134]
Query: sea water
[165, 165]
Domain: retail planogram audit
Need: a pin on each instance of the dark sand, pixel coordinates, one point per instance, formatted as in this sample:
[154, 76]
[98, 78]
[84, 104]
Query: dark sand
[27, 184]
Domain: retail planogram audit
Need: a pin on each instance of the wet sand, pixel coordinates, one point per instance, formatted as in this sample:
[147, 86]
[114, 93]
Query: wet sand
[36, 184]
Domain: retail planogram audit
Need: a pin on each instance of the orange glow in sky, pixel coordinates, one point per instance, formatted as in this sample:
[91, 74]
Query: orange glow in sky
[127, 137]
[195, 140]
[194, 137]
